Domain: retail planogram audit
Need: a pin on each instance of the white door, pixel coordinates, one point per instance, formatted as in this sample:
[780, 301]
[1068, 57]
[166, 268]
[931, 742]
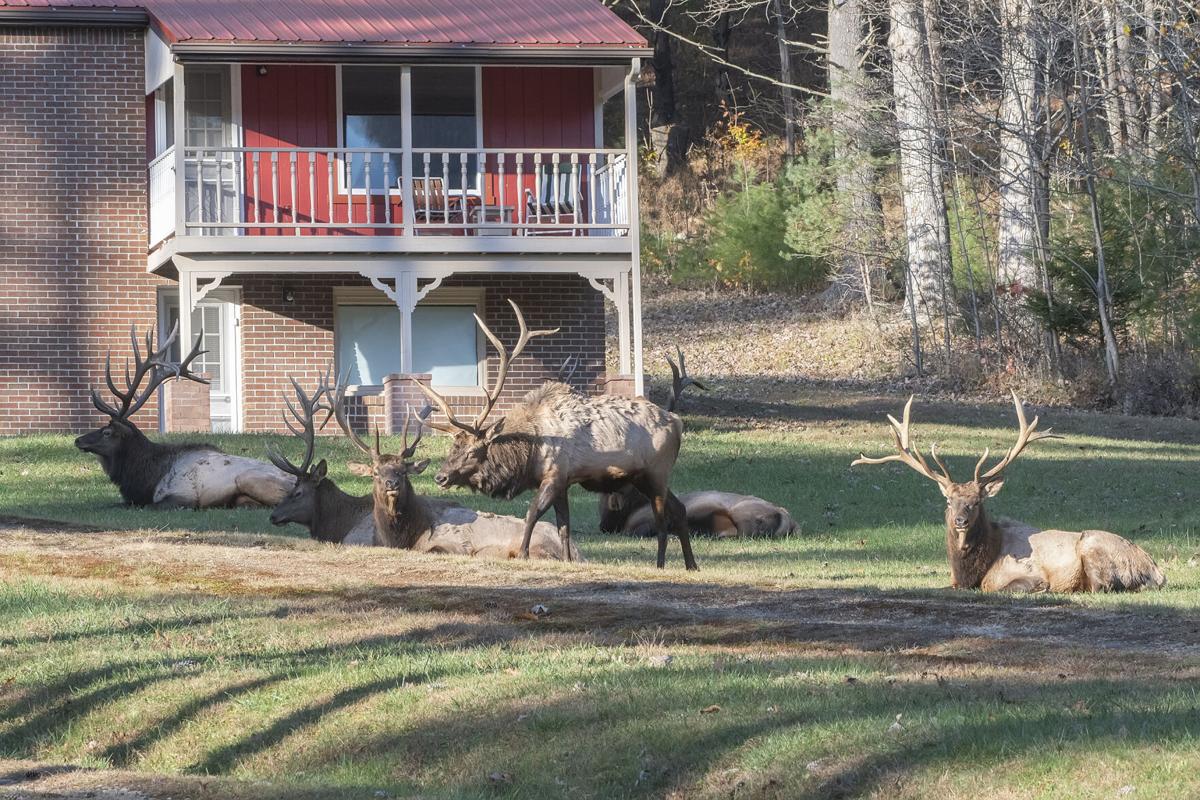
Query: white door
[216, 318]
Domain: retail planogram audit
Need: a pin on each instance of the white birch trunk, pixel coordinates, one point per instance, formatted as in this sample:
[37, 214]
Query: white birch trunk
[921, 176]
[1019, 115]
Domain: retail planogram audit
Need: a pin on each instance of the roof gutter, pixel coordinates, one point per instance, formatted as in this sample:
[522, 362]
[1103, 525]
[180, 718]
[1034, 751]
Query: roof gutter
[73, 17]
[349, 52]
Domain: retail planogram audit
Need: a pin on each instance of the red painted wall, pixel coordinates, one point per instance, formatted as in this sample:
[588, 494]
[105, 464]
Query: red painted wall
[536, 107]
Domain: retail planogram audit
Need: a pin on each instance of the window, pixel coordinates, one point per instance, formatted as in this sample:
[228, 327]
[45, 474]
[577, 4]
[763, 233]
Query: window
[443, 101]
[445, 337]
[164, 117]
[443, 116]
[371, 108]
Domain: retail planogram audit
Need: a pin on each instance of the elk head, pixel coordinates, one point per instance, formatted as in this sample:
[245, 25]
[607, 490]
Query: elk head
[469, 451]
[680, 380]
[390, 473]
[111, 440]
[964, 501]
[300, 504]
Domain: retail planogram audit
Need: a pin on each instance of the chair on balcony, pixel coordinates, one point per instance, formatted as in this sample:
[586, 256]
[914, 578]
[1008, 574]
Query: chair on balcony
[557, 194]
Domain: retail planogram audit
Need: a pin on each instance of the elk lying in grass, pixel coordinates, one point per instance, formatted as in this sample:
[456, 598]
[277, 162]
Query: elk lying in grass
[720, 514]
[1005, 555]
[556, 437]
[152, 474]
[315, 501]
[402, 518]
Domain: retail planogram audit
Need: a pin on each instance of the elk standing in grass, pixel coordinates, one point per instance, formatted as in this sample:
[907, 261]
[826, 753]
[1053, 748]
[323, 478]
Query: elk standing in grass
[556, 437]
[1005, 555]
[316, 502]
[402, 518]
[720, 514]
[171, 475]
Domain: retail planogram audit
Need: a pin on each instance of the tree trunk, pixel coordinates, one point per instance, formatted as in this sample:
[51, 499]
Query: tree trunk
[1019, 116]
[859, 267]
[921, 176]
[663, 137]
[785, 77]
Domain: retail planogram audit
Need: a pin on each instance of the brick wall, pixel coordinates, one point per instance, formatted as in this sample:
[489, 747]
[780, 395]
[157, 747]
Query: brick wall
[281, 338]
[72, 219]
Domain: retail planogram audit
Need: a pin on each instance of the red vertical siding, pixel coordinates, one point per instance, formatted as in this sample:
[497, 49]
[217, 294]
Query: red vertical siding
[536, 107]
[290, 106]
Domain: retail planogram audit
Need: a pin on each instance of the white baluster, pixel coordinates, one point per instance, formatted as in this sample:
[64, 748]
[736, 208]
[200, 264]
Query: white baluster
[295, 198]
[387, 188]
[367, 164]
[275, 186]
[254, 159]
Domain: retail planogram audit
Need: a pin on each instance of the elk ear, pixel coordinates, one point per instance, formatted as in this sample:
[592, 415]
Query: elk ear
[993, 487]
[416, 468]
[364, 470]
[319, 470]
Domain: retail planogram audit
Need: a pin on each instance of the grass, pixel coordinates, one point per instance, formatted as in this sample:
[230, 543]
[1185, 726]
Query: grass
[207, 652]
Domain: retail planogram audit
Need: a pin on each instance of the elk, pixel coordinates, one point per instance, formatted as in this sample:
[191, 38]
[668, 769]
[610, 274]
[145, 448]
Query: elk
[720, 514]
[316, 502]
[724, 515]
[1006, 555]
[555, 438]
[170, 475]
[402, 518]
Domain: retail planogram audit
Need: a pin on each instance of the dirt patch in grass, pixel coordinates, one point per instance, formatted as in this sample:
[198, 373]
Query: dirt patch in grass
[618, 605]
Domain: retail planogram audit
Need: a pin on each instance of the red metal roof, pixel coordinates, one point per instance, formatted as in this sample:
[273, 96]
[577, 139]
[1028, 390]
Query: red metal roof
[516, 23]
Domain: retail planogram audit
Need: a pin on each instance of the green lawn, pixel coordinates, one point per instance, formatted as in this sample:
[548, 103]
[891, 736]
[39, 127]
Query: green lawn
[269, 662]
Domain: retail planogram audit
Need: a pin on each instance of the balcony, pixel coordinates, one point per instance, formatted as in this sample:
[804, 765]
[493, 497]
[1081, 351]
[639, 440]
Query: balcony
[296, 199]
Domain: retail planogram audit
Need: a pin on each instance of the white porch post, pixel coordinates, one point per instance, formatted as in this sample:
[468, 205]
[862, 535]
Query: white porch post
[180, 144]
[621, 289]
[406, 180]
[187, 301]
[406, 301]
[635, 276]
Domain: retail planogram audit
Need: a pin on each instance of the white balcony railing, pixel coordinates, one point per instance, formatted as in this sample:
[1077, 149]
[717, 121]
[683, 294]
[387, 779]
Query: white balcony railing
[161, 192]
[269, 191]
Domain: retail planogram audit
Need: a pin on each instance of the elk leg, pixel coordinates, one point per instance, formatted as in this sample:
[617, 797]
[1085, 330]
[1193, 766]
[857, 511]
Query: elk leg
[562, 515]
[540, 505]
[678, 515]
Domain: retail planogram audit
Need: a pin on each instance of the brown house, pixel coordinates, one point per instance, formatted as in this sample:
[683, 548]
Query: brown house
[335, 180]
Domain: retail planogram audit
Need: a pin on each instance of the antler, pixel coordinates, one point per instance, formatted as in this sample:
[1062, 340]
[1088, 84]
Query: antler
[566, 371]
[339, 413]
[908, 453]
[680, 380]
[155, 365]
[1027, 433]
[305, 416]
[410, 449]
[493, 394]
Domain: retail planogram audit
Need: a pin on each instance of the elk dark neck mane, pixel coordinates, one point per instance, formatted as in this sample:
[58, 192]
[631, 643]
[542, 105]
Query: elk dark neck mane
[141, 464]
[337, 513]
[981, 547]
[402, 530]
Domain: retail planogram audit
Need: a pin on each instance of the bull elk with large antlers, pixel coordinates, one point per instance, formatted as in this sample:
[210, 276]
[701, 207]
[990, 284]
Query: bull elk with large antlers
[555, 438]
[402, 518]
[1005, 555]
[149, 473]
[316, 502]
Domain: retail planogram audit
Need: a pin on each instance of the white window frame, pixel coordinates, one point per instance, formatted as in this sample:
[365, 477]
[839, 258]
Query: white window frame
[394, 191]
[442, 296]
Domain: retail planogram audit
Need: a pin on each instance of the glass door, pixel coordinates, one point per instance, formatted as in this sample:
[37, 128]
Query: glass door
[212, 181]
[216, 320]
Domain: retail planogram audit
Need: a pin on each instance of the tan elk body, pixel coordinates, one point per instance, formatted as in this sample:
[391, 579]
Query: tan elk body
[1006, 555]
[556, 437]
[167, 475]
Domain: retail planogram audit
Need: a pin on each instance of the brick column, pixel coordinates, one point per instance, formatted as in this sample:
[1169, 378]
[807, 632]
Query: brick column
[186, 407]
[617, 385]
[399, 394]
